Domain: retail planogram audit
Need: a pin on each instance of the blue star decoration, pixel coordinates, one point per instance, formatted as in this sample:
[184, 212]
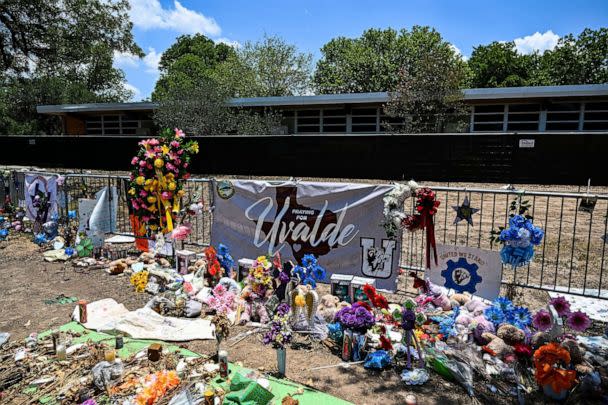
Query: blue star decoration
[464, 212]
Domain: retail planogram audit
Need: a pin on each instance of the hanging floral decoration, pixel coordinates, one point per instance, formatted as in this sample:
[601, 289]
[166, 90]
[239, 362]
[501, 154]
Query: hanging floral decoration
[394, 202]
[155, 187]
[519, 240]
[426, 208]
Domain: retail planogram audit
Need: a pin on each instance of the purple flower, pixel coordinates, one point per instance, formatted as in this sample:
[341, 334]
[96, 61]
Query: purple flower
[561, 305]
[408, 319]
[283, 309]
[578, 321]
[355, 317]
[283, 277]
[542, 320]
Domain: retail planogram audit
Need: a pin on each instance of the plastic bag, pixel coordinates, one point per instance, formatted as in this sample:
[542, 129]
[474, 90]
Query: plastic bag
[104, 373]
[193, 309]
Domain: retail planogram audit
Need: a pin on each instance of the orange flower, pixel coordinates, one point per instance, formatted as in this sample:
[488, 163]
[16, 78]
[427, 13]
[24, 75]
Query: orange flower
[546, 360]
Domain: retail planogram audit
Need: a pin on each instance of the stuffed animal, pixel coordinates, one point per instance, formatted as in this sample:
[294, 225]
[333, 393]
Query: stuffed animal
[539, 339]
[464, 319]
[475, 307]
[511, 334]
[117, 266]
[459, 299]
[496, 346]
[480, 325]
[328, 307]
[253, 309]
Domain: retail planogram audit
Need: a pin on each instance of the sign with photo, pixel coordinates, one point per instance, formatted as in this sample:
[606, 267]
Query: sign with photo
[339, 223]
[467, 269]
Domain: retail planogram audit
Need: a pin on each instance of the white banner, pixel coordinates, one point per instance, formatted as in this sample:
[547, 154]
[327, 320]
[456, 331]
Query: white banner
[337, 222]
[97, 217]
[43, 186]
[467, 269]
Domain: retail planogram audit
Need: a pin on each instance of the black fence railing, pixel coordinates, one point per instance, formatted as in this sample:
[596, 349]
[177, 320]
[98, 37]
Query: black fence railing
[520, 158]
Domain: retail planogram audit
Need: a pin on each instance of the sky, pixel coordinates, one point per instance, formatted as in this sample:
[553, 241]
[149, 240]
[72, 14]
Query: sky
[533, 25]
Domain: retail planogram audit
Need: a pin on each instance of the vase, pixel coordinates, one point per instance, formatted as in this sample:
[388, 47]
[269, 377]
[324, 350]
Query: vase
[281, 360]
[347, 345]
[553, 394]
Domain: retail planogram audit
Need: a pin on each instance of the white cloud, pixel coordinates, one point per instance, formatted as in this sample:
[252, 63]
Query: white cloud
[136, 93]
[125, 59]
[229, 42]
[458, 52]
[536, 42]
[150, 14]
[151, 61]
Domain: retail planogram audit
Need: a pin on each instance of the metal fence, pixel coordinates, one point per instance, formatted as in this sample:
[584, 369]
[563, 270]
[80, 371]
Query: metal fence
[572, 257]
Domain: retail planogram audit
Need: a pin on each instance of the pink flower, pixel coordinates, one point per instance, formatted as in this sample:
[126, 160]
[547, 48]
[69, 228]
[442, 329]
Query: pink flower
[134, 160]
[166, 195]
[179, 133]
[145, 142]
[150, 154]
[135, 204]
[181, 232]
[143, 193]
[578, 321]
[173, 156]
[142, 163]
[174, 144]
[145, 218]
[149, 166]
[561, 305]
[132, 177]
[180, 152]
[542, 320]
[186, 165]
[153, 142]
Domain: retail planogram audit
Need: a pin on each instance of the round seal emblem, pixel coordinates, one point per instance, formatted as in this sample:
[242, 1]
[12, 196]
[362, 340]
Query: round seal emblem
[225, 189]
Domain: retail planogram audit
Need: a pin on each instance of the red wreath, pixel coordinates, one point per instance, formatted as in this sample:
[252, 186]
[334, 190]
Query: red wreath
[426, 208]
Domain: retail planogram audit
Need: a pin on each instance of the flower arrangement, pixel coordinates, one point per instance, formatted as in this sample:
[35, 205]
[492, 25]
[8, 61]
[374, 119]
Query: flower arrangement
[379, 301]
[310, 271]
[139, 280]
[260, 276]
[503, 310]
[155, 188]
[393, 207]
[156, 385]
[279, 334]
[222, 301]
[519, 240]
[578, 321]
[547, 362]
[426, 208]
[356, 317]
[213, 264]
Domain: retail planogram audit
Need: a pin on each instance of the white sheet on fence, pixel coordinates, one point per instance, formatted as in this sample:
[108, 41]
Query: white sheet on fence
[107, 315]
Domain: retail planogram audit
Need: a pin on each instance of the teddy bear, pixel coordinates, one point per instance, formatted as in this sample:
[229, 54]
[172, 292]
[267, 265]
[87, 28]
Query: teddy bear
[476, 307]
[253, 309]
[117, 266]
[480, 325]
[496, 346]
[328, 307]
[511, 334]
[458, 300]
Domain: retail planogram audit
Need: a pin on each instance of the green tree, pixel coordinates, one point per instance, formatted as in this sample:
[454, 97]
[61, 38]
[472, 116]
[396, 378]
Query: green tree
[373, 61]
[46, 60]
[189, 61]
[203, 111]
[500, 65]
[578, 60]
[428, 95]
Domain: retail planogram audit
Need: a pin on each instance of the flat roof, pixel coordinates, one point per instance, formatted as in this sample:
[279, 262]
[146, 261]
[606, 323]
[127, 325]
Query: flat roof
[504, 93]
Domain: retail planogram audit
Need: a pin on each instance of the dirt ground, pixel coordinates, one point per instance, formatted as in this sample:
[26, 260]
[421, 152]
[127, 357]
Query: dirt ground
[26, 281]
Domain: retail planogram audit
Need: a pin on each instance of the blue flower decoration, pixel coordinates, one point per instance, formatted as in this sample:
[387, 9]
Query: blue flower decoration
[504, 304]
[40, 239]
[310, 281]
[335, 332]
[299, 271]
[377, 360]
[2, 219]
[519, 317]
[536, 235]
[69, 251]
[494, 315]
[309, 261]
[72, 214]
[319, 272]
[517, 221]
[3, 233]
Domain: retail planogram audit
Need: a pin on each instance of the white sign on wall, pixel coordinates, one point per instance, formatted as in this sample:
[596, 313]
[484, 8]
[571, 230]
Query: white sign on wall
[467, 269]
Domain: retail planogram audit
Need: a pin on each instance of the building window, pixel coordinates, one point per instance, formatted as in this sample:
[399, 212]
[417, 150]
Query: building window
[125, 124]
[488, 118]
[523, 117]
[563, 116]
[596, 116]
[309, 121]
[364, 120]
[334, 120]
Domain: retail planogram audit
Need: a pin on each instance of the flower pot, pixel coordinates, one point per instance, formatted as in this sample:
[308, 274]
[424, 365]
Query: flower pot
[281, 360]
[553, 394]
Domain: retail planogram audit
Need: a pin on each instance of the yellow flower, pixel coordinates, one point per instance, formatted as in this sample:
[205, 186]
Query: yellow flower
[165, 149]
[170, 176]
[148, 182]
[158, 163]
[151, 199]
[152, 208]
[140, 180]
[132, 191]
[300, 301]
[194, 147]
[181, 193]
[153, 227]
[172, 186]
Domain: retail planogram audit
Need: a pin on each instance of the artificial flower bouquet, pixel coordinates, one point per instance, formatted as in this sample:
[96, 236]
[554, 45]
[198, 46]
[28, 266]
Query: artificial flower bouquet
[155, 187]
[260, 277]
[519, 240]
[279, 334]
[310, 271]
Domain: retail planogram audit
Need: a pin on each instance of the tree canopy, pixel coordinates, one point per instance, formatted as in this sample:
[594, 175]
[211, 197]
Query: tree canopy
[373, 61]
[56, 52]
